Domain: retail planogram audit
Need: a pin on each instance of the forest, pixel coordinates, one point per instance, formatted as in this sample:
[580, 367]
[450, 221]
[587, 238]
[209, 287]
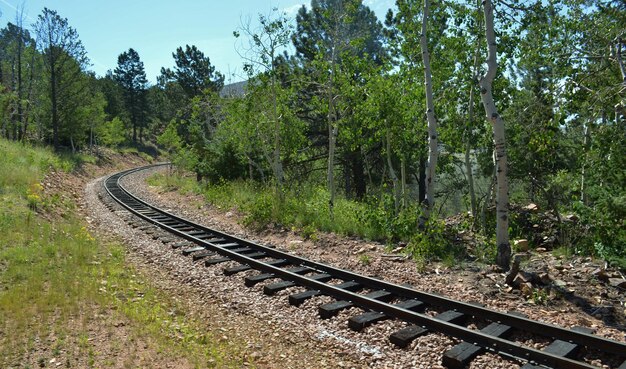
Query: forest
[502, 120]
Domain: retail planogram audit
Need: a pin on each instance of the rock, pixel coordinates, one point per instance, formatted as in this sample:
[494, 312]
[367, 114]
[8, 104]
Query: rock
[601, 274]
[618, 282]
[531, 207]
[520, 279]
[527, 289]
[559, 283]
[540, 249]
[521, 245]
[544, 278]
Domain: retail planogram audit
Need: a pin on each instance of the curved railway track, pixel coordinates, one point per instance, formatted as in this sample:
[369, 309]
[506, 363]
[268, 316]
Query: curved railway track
[381, 300]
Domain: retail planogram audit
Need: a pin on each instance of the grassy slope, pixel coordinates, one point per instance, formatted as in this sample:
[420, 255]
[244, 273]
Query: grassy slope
[59, 286]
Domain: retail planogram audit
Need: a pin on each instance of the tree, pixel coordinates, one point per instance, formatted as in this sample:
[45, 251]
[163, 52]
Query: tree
[19, 58]
[262, 51]
[130, 74]
[502, 195]
[193, 72]
[430, 114]
[64, 58]
[331, 40]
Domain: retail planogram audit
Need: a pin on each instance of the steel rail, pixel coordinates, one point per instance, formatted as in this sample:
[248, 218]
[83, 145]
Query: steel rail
[488, 342]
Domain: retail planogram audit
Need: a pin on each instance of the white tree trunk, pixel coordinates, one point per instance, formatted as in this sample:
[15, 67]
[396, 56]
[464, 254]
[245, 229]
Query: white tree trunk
[429, 201]
[502, 191]
[277, 163]
[332, 139]
[392, 173]
[583, 188]
[403, 183]
[468, 133]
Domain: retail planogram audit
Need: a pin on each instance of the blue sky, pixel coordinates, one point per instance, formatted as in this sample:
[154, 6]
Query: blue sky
[156, 28]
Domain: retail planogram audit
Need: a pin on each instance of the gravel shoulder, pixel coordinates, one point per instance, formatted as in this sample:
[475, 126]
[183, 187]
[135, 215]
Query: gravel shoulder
[278, 335]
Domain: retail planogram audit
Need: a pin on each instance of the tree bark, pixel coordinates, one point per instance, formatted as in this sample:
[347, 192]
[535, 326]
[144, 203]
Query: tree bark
[432, 121]
[333, 129]
[583, 188]
[470, 123]
[405, 195]
[502, 196]
[421, 195]
[277, 165]
[392, 173]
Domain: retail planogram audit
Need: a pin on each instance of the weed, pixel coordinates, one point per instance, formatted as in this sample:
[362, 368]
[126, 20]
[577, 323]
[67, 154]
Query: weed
[539, 296]
[431, 242]
[309, 232]
[365, 259]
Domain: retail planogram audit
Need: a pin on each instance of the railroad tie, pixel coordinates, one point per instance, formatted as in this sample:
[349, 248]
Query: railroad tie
[359, 322]
[462, 354]
[230, 246]
[244, 267]
[201, 255]
[271, 289]
[298, 298]
[193, 249]
[178, 245]
[562, 348]
[405, 336]
[253, 280]
[254, 255]
[329, 310]
[214, 261]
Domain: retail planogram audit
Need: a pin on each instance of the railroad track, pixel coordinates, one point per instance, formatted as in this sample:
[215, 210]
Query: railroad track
[379, 299]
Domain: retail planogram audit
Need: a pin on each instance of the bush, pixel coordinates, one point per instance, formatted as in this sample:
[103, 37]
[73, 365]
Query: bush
[431, 243]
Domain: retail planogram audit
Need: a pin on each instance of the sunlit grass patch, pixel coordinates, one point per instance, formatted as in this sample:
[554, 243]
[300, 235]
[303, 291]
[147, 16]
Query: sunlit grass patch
[57, 280]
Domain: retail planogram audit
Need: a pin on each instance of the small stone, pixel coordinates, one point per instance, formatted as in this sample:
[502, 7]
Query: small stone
[618, 282]
[601, 274]
[531, 207]
[544, 278]
[560, 283]
[540, 249]
[521, 245]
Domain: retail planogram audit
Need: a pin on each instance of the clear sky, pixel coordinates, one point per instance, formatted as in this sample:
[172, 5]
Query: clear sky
[155, 28]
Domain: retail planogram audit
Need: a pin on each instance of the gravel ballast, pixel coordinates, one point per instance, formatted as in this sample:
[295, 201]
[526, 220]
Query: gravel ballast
[283, 336]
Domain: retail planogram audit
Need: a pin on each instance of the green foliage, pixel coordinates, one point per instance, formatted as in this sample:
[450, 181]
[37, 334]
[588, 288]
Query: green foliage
[431, 243]
[111, 133]
[384, 222]
[193, 72]
[131, 76]
[365, 259]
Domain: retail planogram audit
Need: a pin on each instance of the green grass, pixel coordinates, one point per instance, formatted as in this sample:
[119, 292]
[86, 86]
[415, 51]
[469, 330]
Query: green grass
[53, 273]
[305, 209]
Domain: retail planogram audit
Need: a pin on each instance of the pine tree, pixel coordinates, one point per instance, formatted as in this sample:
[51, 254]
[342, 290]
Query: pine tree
[130, 74]
[64, 58]
[193, 72]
